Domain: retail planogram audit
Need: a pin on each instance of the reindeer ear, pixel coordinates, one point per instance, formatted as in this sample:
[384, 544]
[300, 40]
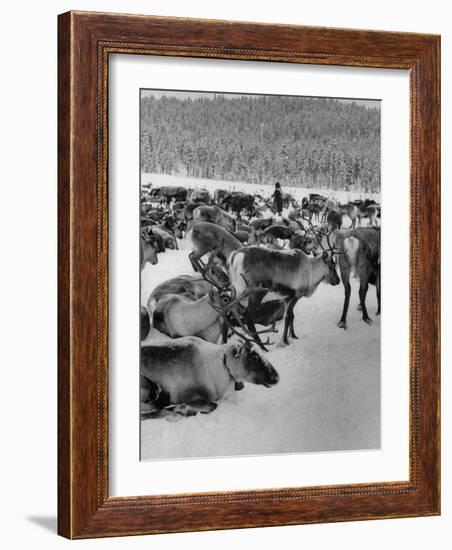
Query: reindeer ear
[237, 350]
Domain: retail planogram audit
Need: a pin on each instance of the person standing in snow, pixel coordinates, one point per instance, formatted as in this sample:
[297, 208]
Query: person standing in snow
[278, 198]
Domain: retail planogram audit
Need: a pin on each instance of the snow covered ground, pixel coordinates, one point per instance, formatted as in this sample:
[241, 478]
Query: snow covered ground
[328, 397]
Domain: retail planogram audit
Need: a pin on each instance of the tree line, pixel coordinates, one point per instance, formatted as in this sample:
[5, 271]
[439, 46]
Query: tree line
[298, 141]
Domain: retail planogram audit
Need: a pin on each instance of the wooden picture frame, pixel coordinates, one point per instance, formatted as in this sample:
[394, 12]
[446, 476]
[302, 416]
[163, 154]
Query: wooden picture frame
[85, 42]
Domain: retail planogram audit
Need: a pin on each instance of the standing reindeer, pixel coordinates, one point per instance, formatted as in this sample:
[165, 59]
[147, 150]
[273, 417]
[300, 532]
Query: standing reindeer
[214, 214]
[291, 274]
[359, 254]
[211, 238]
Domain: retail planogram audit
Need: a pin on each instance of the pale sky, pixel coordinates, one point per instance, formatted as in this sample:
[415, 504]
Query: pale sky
[196, 94]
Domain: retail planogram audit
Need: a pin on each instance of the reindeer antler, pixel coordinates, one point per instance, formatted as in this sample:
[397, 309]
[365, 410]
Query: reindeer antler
[319, 234]
[213, 274]
[332, 248]
[247, 339]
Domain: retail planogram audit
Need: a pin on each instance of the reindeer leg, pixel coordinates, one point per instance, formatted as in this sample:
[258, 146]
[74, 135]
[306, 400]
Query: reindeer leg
[224, 332]
[252, 328]
[362, 298]
[347, 290]
[378, 293]
[192, 408]
[249, 327]
[291, 315]
[195, 259]
[253, 304]
[284, 341]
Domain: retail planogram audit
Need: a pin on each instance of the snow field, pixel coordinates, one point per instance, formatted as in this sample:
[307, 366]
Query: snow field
[328, 397]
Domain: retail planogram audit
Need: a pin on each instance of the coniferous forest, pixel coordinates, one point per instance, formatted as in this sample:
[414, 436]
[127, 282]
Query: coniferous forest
[299, 141]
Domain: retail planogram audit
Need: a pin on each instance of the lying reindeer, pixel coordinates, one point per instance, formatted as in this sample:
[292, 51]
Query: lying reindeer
[187, 376]
[145, 324]
[179, 315]
[193, 286]
[191, 306]
[168, 239]
[148, 252]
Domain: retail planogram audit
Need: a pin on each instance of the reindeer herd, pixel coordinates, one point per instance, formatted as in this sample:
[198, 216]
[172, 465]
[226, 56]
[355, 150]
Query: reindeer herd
[250, 269]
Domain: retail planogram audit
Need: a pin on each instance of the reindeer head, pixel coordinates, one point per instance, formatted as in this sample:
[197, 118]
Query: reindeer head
[247, 364]
[332, 277]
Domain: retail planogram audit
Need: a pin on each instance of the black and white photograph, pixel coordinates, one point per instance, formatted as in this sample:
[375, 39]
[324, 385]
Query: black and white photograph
[259, 239]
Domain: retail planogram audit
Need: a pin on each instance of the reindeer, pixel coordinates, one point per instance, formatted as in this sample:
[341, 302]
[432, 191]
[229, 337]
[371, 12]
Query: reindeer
[242, 236]
[145, 324]
[168, 226]
[360, 254]
[334, 219]
[193, 286]
[188, 211]
[257, 228]
[357, 210]
[200, 195]
[303, 240]
[373, 212]
[183, 314]
[236, 201]
[188, 376]
[291, 274]
[313, 207]
[168, 239]
[148, 252]
[214, 214]
[209, 237]
[274, 232]
[179, 315]
[202, 307]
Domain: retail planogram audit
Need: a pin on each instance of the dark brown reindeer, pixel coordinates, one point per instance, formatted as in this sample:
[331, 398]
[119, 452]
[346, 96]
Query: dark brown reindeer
[359, 254]
[236, 202]
[291, 274]
[333, 219]
[360, 249]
